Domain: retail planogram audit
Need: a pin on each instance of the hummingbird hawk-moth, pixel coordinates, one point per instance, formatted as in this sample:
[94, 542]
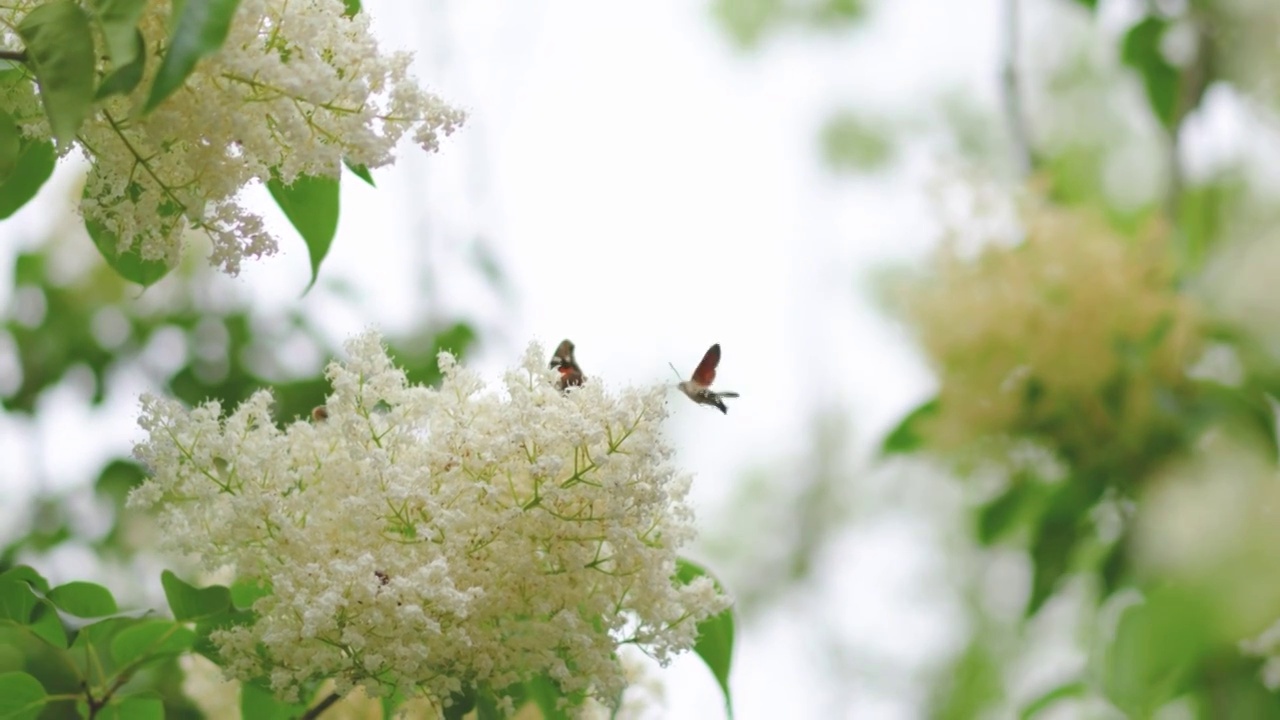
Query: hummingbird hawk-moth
[698, 388]
[563, 361]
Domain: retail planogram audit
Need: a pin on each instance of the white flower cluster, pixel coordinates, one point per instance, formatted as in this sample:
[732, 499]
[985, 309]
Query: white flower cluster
[434, 539]
[296, 88]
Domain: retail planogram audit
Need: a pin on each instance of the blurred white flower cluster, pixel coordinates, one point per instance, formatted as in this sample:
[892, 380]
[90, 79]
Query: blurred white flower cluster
[296, 88]
[436, 538]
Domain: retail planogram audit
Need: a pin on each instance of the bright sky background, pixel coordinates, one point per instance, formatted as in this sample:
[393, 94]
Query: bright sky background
[649, 190]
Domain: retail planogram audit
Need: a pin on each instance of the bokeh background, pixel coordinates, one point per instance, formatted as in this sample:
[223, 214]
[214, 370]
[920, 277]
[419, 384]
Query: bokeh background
[647, 179]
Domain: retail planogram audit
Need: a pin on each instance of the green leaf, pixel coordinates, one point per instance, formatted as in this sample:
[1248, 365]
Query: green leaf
[46, 624]
[59, 44]
[200, 30]
[360, 171]
[84, 599]
[35, 165]
[907, 436]
[545, 693]
[1155, 647]
[125, 77]
[244, 592]
[129, 264]
[133, 708]
[21, 696]
[16, 600]
[715, 634]
[1051, 552]
[1002, 514]
[10, 145]
[27, 574]
[1075, 688]
[1141, 51]
[189, 602]
[1091, 4]
[119, 21]
[353, 7]
[311, 204]
[151, 638]
[259, 702]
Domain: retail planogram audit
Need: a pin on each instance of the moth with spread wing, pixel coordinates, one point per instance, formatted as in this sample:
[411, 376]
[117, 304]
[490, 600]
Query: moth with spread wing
[699, 387]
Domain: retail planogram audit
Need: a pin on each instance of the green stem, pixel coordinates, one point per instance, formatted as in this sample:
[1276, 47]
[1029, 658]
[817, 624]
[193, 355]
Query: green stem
[17, 55]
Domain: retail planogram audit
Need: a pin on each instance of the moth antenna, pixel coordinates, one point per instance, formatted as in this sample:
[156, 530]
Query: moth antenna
[674, 370]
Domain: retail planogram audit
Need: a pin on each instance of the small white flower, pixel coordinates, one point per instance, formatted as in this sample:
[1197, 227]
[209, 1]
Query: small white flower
[436, 538]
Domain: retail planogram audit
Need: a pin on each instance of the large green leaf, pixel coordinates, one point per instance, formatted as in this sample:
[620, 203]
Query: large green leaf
[715, 634]
[119, 21]
[46, 624]
[21, 696]
[188, 602]
[129, 264]
[360, 171]
[126, 76]
[35, 165]
[545, 693]
[84, 599]
[59, 44]
[201, 29]
[311, 204]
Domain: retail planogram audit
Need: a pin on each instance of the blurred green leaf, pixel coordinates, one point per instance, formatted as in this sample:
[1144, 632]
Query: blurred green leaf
[460, 704]
[352, 7]
[35, 165]
[258, 702]
[1155, 646]
[134, 708]
[188, 602]
[200, 30]
[1051, 551]
[715, 634]
[119, 21]
[1073, 689]
[124, 78]
[311, 204]
[84, 599]
[150, 638]
[1141, 51]
[129, 264]
[10, 146]
[970, 686]
[850, 143]
[1001, 515]
[544, 693]
[1091, 4]
[59, 45]
[907, 436]
[21, 696]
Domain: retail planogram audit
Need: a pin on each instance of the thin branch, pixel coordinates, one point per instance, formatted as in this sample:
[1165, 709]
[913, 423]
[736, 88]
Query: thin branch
[315, 711]
[1011, 92]
[18, 55]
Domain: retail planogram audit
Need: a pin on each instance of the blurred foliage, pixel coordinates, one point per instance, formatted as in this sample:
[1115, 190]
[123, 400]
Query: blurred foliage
[853, 144]
[1092, 365]
[750, 22]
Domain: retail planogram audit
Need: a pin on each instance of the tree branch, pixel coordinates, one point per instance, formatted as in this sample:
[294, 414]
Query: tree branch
[18, 55]
[1011, 93]
[315, 711]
